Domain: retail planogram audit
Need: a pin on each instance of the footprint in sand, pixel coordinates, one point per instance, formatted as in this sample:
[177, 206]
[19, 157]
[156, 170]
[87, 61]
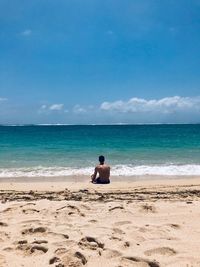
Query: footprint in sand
[3, 224]
[54, 260]
[30, 211]
[136, 261]
[90, 243]
[116, 207]
[20, 242]
[38, 248]
[40, 242]
[30, 249]
[73, 210]
[148, 208]
[118, 231]
[80, 256]
[70, 258]
[164, 251]
[61, 251]
[34, 230]
[73, 260]
[93, 221]
[115, 238]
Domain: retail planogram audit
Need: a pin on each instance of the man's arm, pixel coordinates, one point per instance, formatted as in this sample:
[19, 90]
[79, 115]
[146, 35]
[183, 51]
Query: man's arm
[94, 175]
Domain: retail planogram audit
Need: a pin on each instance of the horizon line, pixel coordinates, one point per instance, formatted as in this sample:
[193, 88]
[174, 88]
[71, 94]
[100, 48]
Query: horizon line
[92, 124]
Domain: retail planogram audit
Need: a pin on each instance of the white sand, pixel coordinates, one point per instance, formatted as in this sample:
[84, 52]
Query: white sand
[144, 224]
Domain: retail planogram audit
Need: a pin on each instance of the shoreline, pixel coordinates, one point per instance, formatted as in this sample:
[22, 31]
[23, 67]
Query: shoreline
[122, 185]
[79, 183]
[85, 178]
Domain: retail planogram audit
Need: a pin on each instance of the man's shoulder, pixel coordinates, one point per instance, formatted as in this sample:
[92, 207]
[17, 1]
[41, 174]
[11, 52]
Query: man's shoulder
[106, 166]
[102, 166]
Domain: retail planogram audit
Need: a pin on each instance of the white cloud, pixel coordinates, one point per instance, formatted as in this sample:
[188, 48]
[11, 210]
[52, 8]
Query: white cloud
[43, 107]
[56, 107]
[3, 99]
[27, 32]
[51, 108]
[77, 109]
[165, 105]
[175, 109]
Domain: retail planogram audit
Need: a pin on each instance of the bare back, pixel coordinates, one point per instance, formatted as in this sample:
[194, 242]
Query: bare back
[104, 172]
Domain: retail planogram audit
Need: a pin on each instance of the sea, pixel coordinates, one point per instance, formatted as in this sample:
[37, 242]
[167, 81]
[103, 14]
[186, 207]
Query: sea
[130, 150]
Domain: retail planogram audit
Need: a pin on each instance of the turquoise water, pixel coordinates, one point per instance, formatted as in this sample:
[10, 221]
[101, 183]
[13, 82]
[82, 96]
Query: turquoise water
[129, 149]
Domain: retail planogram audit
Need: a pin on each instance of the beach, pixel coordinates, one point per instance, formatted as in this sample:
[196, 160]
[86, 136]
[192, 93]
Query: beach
[100, 133]
[51, 215]
[152, 222]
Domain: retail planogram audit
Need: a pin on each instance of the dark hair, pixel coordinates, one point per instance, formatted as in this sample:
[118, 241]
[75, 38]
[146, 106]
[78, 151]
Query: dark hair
[101, 159]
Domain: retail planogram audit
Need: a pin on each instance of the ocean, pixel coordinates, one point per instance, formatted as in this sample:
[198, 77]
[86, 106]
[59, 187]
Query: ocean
[131, 150]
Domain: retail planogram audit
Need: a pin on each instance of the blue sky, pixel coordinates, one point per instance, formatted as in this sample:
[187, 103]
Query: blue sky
[134, 61]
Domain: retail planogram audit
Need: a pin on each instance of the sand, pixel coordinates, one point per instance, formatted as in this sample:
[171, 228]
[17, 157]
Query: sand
[123, 224]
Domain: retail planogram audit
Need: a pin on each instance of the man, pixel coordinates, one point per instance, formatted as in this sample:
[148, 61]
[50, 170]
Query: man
[103, 171]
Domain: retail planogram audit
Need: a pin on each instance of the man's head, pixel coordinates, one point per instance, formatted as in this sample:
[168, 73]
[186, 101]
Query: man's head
[101, 159]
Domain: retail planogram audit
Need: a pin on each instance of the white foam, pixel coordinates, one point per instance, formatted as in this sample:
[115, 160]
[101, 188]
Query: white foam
[128, 170]
[117, 170]
[43, 172]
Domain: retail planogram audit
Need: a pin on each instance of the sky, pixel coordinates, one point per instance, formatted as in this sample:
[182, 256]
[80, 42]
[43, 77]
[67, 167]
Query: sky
[96, 61]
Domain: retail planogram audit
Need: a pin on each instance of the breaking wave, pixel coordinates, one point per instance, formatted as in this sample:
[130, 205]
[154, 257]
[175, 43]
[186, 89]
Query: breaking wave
[117, 170]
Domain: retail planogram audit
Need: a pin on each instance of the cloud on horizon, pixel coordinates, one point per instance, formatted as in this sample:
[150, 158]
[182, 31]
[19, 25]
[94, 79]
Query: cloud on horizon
[167, 105]
[53, 107]
[77, 109]
[174, 109]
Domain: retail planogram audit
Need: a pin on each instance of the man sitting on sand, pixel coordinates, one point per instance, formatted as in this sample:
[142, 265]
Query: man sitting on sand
[103, 170]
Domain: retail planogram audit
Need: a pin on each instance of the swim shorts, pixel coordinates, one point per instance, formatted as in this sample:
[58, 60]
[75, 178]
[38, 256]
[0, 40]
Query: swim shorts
[98, 181]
